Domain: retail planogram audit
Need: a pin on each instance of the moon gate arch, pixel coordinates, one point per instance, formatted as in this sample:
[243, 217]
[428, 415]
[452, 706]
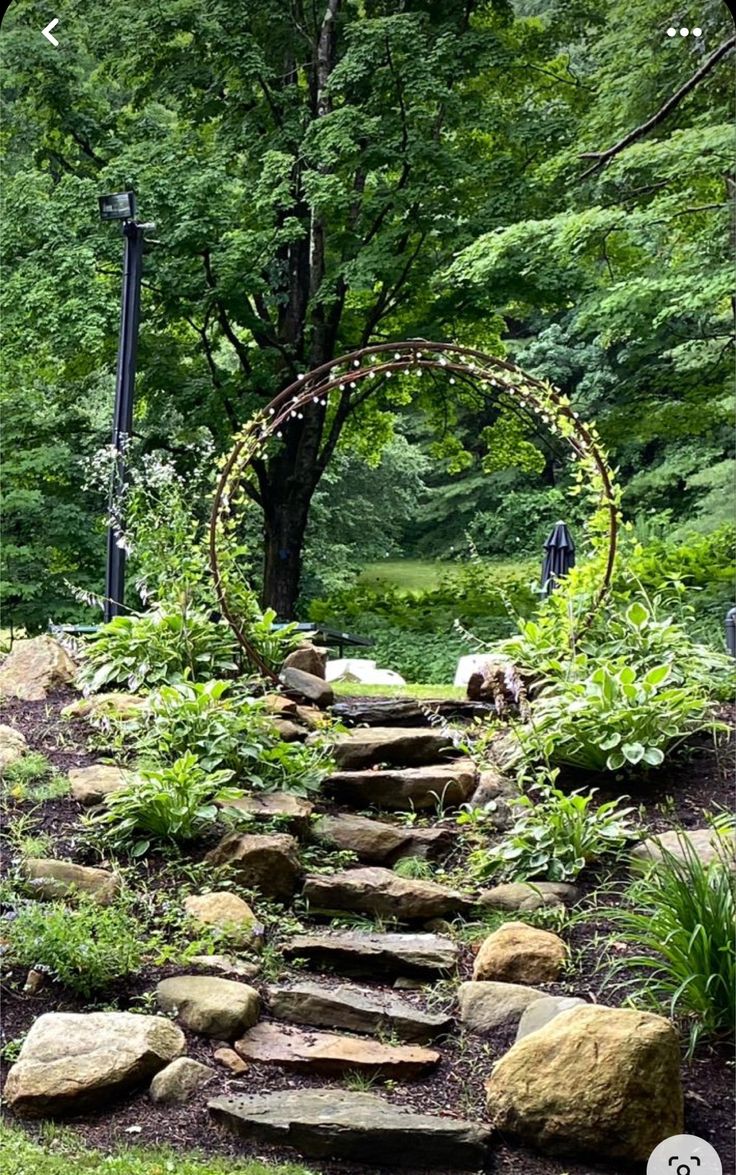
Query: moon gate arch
[503, 379]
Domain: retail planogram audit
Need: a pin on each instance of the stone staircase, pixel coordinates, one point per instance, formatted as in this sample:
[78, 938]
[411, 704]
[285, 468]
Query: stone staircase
[392, 771]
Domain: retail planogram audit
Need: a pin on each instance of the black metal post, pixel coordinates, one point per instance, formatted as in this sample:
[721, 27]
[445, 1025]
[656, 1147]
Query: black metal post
[123, 411]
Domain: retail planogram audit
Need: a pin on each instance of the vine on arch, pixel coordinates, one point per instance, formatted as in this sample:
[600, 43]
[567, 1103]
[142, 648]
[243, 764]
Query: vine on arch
[594, 478]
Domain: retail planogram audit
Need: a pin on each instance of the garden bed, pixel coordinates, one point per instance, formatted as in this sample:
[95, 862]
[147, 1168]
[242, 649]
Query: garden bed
[676, 796]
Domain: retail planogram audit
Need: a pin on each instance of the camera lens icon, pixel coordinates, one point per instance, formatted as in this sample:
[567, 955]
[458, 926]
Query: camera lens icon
[684, 1154]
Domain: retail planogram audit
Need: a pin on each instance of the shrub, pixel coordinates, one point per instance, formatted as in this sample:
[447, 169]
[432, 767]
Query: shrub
[555, 837]
[419, 633]
[631, 629]
[155, 648]
[174, 803]
[679, 919]
[87, 947]
[224, 730]
[614, 719]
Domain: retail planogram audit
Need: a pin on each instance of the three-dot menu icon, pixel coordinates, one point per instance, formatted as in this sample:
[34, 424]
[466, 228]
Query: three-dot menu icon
[672, 32]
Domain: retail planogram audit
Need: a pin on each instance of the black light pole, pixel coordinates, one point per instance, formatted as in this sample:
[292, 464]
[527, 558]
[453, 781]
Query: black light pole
[122, 207]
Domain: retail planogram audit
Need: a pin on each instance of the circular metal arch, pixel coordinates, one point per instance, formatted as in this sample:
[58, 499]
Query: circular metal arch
[387, 359]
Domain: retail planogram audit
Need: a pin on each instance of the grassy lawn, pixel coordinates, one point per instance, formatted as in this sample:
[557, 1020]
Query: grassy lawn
[59, 1152]
[354, 689]
[414, 575]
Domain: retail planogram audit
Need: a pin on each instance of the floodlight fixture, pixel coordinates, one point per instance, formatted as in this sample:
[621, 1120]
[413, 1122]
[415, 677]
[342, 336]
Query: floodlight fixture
[118, 206]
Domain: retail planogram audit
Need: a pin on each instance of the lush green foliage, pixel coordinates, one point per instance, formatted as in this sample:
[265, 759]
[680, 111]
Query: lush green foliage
[86, 947]
[224, 729]
[614, 719]
[679, 920]
[430, 183]
[167, 804]
[420, 633]
[144, 651]
[555, 836]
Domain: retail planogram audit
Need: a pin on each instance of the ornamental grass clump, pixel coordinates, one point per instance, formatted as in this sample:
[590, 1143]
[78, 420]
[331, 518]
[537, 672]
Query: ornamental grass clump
[679, 919]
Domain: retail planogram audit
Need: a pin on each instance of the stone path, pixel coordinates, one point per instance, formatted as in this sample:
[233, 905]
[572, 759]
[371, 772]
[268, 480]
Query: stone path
[321, 1024]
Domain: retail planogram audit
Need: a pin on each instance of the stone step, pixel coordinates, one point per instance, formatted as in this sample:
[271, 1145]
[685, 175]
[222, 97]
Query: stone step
[405, 789]
[362, 1127]
[291, 810]
[369, 746]
[355, 1009]
[329, 1054]
[407, 711]
[376, 842]
[379, 891]
[362, 952]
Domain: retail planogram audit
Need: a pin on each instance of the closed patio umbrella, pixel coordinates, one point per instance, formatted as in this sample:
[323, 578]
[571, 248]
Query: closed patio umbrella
[559, 557]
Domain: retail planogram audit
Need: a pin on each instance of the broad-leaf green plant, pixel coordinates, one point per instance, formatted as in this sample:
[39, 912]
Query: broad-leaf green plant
[614, 718]
[151, 649]
[170, 804]
[555, 836]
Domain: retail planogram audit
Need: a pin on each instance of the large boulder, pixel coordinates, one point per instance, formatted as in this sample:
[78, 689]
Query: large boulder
[354, 1009]
[373, 841]
[51, 879]
[706, 844]
[226, 913]
[595, 1081]
[486, 1006]
[362, 952]
[33, 667]
[208, 1005]
[268, 862]
[13, 746]
[308, 658]
[405, 789]
[401, 747]
[92, 785]
[328, 1053]
[70, 1061]
[360, 1127]
[376, 842]
[379, 891]
[518, 953]
[179, 1081]
[276, 805]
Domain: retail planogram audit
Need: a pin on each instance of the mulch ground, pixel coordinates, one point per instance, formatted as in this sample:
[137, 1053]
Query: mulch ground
[677, 796]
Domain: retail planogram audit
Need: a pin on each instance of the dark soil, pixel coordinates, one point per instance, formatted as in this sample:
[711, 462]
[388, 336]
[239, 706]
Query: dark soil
[679, 796]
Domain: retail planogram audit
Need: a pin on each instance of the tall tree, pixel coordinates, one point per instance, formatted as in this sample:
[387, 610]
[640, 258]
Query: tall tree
[309, 170]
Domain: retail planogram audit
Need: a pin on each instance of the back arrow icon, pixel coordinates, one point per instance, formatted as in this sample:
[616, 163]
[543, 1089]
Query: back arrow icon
[47, 31]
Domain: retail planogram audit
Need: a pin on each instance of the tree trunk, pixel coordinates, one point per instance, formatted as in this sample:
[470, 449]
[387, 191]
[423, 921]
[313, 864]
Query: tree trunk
[287, 486]
[284, 526]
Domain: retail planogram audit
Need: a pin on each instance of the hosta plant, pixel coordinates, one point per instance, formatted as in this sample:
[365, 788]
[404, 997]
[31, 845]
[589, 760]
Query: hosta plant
[142, 652]
[226, 729]
[614, 719]
[555, 836]
[174, 804]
